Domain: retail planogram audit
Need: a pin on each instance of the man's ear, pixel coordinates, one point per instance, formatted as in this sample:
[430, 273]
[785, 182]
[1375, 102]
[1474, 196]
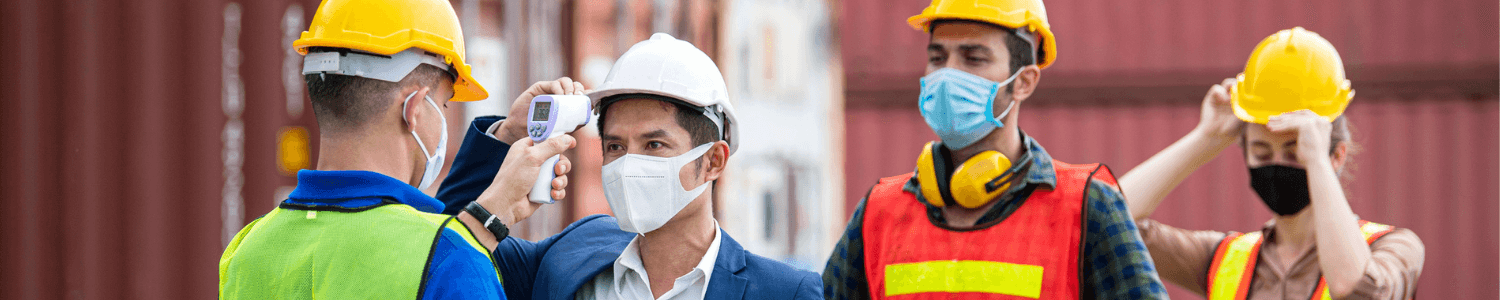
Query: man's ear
[717, 157]
[409, 108]
[1340, 156]
[1026, 83]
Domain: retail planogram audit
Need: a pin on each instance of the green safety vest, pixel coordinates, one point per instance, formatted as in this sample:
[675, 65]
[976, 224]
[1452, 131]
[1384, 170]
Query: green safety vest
[379, 252]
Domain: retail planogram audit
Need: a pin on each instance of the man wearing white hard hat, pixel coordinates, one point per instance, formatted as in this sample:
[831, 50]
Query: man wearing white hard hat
[667, 130]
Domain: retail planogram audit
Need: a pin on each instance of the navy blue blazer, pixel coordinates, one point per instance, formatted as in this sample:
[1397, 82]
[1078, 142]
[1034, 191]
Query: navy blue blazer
[555, 267]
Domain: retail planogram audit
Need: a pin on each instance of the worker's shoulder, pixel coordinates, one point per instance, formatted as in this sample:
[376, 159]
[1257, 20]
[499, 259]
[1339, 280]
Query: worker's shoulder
[778, 277]
[1399, 235]
[896, 182]
[896, 179]
[594, 222]
[594, 227]
[1101, 181]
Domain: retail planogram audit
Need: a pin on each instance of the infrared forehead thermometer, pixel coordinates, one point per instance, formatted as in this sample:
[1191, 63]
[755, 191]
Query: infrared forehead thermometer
[551, 116]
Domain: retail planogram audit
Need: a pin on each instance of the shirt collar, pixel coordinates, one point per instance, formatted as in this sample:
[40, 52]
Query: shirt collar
[335, 187]
[1041, 171]
[630, 260]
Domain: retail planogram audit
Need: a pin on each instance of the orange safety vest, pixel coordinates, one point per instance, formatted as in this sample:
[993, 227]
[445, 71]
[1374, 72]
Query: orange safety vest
[1031, 254]
[1234, 263]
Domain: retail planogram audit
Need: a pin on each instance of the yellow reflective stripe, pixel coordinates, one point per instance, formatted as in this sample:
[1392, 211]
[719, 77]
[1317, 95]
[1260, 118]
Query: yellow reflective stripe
[1226, 282]
[1372, 228]
[959, 276]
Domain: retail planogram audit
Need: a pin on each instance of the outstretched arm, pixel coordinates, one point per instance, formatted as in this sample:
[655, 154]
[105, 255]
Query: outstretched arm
[505, 195]
[1148, 183]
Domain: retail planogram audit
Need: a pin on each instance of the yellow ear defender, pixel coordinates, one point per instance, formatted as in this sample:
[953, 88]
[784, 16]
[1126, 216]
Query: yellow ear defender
[971, 184]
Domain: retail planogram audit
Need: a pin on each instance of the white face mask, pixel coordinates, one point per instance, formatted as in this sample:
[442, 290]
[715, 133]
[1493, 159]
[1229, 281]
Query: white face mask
[645, 191]
[434, 159]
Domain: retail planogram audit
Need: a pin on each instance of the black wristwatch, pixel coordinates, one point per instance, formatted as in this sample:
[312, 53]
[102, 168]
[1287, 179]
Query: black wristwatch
[491, 222]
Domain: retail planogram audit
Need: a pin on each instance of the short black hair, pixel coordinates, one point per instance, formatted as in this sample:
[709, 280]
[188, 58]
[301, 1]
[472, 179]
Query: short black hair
[1021, 52]
[701, 130]
[342, 102]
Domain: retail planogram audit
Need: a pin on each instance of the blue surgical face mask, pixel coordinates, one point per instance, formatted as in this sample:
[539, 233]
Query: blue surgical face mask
[960, 106]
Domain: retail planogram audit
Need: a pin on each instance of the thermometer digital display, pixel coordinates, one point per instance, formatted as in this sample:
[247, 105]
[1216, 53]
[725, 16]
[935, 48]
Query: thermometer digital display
[552, 116]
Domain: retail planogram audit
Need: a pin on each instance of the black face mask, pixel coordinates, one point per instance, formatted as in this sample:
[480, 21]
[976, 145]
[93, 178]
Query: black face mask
[1282, 188]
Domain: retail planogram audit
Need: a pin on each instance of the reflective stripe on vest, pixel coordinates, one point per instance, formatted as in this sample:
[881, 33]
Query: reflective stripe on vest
[1234, 263]
[1031, 254]
[963, 276]
[380, 252]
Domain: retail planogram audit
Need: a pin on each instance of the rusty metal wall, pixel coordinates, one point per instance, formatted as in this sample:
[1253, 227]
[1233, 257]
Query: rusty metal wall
[1131, 73]
[1115, 49]
[126, 125]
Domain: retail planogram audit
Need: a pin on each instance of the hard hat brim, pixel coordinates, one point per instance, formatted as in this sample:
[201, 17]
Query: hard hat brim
[1259, 116]
[1047, 50]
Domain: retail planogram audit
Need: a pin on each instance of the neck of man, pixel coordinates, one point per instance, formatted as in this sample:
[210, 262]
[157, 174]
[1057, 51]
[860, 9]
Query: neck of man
[1007, 141]
[362, 151]
[1295, 234]
[674, 249]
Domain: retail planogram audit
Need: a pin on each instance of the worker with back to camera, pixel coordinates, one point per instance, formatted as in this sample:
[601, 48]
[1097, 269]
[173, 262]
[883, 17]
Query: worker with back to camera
[1286, 110]
[379, 73]
[988, 213]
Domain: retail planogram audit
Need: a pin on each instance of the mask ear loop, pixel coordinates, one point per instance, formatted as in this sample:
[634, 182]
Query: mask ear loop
[404, 104]
[990, 108]
[1030, 39]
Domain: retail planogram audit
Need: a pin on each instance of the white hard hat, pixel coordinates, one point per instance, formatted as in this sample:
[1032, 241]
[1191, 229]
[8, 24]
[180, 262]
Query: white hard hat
[672, 68]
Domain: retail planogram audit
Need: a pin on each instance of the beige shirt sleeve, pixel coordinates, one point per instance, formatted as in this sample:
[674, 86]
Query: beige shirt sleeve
[1395, 263]
[1182, 256]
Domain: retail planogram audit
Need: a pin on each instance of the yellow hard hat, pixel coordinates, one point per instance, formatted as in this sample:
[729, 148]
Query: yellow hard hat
[1292, 70]
[386, 27]
[1029, 15]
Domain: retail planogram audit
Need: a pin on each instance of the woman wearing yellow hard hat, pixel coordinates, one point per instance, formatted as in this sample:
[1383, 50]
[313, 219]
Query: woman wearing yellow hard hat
[1286, 112]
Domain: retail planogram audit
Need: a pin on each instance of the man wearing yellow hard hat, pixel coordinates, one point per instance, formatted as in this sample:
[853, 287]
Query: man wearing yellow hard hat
[1286, 110]
[988, 214]
[379, 73]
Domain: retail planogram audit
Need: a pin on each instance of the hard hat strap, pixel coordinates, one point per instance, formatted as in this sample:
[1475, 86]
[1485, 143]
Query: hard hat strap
[1030, 38]
[391, 68]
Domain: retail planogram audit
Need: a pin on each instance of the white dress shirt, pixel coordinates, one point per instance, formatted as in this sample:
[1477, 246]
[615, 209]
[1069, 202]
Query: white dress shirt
[628, 280]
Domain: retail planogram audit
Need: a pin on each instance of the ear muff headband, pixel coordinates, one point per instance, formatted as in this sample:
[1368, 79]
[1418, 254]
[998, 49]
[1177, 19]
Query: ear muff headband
[977, 181]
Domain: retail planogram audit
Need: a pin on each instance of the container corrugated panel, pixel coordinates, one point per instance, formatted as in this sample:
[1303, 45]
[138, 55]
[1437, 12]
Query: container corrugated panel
[1185, 35]
[1428, 164]
[1153, 43]
[115, 130]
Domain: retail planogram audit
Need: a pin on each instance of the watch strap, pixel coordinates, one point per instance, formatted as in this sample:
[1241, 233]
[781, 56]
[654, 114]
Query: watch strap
[488, 219]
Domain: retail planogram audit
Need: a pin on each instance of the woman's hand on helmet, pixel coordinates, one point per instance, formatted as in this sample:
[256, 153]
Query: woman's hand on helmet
[1217, 118]
[1313, 134]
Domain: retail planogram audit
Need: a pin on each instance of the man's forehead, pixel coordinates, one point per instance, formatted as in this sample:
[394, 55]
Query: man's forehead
[960, 30]
[646, 116]
[646, 105]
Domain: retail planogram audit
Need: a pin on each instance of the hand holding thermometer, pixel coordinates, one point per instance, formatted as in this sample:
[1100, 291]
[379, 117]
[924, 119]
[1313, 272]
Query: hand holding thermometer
[551, 116]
